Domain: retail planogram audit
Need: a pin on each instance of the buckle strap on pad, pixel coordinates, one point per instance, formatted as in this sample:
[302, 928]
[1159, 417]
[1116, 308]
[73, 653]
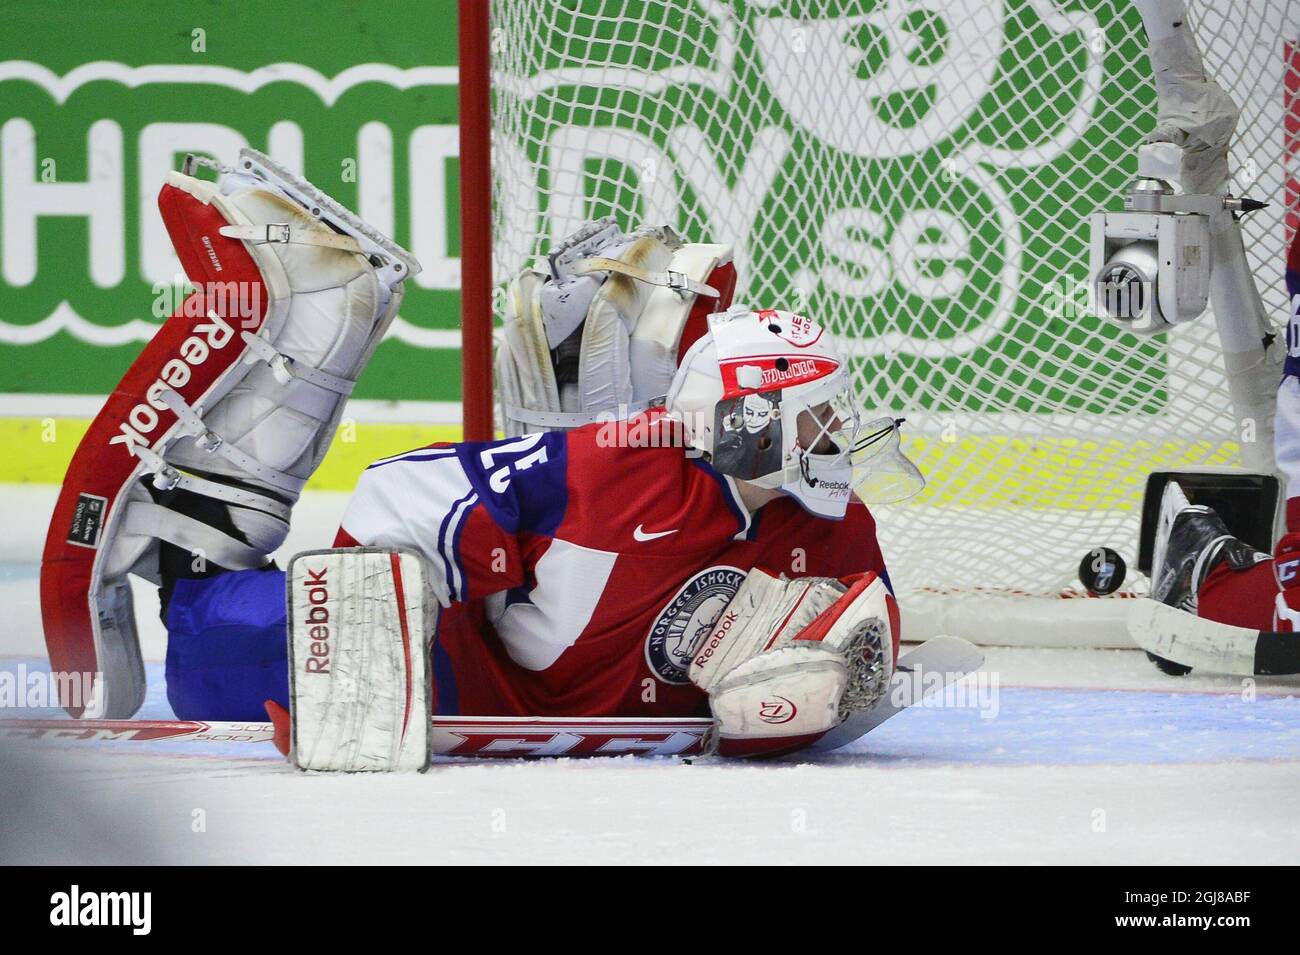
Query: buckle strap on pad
[281, 233]
[287, 369]
[208, 440]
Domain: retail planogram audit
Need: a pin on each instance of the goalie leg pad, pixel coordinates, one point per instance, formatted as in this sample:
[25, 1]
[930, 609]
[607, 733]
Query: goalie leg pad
[360, 624]
[594, 331]
[235, 398]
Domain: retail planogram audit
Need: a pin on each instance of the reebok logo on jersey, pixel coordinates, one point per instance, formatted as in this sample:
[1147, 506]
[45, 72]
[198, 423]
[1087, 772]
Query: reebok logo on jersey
[642, 534]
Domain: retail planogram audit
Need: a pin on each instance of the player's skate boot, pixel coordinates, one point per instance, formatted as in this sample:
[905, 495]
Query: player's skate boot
[1191, 540]
[208, 440]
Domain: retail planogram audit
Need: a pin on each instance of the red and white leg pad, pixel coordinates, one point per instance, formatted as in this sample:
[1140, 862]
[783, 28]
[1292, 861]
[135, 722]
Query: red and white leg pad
[789, 660]
[236, 398]
[360, 624]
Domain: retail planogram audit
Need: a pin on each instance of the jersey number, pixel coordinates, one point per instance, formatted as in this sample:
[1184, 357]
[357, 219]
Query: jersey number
[499, 474]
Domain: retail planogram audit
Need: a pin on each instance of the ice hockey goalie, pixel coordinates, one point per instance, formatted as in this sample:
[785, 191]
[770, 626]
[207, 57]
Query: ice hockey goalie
[671, 526]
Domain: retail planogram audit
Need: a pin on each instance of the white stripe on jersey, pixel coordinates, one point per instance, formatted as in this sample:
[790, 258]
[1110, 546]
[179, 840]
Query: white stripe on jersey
[424, 453]
[447, 546]
[1287, 441]
[739, 503]
[417, 500]
[570, 582]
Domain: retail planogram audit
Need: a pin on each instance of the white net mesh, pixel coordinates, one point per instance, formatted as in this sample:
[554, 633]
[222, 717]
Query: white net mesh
[919, 174]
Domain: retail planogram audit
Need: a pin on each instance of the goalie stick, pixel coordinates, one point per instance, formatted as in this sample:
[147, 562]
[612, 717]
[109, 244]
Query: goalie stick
[451, 735]
[951, 658]
[510, 736]
[1209, 645]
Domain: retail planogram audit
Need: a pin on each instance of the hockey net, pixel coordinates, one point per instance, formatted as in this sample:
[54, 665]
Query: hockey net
[919, 174]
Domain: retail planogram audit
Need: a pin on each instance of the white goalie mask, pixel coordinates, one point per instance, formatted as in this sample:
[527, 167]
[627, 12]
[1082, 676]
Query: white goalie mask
[746, 390]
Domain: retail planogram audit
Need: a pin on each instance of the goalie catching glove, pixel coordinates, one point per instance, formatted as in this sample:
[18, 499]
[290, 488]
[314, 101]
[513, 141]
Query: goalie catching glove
[789, 660]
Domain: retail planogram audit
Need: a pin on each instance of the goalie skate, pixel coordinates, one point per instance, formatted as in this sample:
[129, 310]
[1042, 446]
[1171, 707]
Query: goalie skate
[235, 399]
[1190, 541]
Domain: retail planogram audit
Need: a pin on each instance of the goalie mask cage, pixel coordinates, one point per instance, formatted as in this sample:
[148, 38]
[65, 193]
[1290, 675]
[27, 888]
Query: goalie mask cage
[918, 175]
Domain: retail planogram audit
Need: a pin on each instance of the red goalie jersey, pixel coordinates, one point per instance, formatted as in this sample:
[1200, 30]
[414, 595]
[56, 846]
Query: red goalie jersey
[575, 575]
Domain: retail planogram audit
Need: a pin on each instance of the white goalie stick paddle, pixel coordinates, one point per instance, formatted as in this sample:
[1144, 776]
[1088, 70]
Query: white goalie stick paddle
[1212, 646]
[933, 665]
[948, 658]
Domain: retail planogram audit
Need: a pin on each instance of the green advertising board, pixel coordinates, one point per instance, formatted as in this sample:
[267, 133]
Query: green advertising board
[943, 230]
[98, 101]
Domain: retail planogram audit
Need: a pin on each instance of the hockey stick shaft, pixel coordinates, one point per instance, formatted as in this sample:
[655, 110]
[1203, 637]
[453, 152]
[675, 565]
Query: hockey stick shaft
[453, 736]
[1204, 644]
[507, 736]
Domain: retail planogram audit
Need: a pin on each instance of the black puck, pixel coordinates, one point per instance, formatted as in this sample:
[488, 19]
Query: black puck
[1102, 571]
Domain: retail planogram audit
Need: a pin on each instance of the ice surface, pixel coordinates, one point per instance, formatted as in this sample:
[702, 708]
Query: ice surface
[1087, 756]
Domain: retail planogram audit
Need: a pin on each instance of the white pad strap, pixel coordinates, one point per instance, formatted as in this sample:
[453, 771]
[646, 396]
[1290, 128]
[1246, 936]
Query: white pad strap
[360, 623]
[287, 369]
[208, 440]
[282, 233]
[397, 264]
[146, 519]
[166, 477]
[679, 282]
[571, 419]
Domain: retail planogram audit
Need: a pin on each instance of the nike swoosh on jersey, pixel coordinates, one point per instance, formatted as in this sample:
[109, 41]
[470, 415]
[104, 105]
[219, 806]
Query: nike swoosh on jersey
[641, 535]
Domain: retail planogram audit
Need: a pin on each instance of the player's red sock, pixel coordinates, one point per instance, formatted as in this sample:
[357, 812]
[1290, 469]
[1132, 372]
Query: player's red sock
[1243, 598]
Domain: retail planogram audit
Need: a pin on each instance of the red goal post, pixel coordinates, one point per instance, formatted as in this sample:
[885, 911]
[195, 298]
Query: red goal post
[475, 95]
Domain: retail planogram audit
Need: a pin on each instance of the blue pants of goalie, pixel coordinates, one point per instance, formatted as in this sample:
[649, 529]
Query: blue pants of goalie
[227, 649]
[226, 646]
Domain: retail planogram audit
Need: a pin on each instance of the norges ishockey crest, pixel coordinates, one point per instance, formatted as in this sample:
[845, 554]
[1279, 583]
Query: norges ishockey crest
[686, 620]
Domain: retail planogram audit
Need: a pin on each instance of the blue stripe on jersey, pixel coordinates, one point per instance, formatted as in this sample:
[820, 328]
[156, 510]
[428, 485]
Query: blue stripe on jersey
[1291, 367]
[423, 454]
[447, 696]
[521, 481]
[454, 520]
